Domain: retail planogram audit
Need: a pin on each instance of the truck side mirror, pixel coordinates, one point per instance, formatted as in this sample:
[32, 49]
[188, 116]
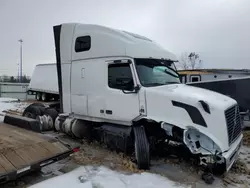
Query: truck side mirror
[135, 90]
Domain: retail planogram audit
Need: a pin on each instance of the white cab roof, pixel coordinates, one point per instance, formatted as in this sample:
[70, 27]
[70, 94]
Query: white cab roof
[108, 42]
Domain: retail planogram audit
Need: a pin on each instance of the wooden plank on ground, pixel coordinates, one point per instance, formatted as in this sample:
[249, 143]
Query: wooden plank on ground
[26, 154]
[54, 149]
[15, 159]
[2, 170]
[33, 154]
[23, 133]
[60, 146]
[7, 141]
[42, 152]
[29, 135]
[20, 148]
[5, 163]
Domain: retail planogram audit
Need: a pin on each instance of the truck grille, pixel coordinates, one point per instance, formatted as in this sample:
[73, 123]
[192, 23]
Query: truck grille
[233, 123]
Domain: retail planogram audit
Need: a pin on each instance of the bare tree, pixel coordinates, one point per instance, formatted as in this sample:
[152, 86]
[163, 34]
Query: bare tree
[184, 61]
[190, 60]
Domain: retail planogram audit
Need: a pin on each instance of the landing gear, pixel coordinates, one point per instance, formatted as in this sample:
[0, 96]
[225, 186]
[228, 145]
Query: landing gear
[141, 146]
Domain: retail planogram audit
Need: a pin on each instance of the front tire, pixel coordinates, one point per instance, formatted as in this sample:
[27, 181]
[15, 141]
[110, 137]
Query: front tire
[141, 145]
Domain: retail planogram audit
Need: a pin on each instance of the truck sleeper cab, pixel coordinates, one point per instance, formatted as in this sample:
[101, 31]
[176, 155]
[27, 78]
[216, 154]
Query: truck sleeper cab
[126, 89]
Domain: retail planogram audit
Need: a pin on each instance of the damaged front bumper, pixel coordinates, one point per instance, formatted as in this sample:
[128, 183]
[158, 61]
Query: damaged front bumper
[209, 152]
[232, 154]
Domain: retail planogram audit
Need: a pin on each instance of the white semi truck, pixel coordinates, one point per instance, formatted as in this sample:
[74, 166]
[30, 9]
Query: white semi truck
[123, 89]
[44, 82]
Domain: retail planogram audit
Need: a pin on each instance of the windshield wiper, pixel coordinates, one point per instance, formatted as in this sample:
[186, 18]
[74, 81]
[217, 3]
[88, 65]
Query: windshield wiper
[172, 82]
[171, 74]
[154, 84]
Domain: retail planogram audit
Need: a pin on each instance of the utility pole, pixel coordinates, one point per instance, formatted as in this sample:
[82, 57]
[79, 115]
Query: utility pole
[17, 72]
[21, 58]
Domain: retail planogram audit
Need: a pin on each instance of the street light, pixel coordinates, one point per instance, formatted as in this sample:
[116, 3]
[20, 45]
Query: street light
[21, 58]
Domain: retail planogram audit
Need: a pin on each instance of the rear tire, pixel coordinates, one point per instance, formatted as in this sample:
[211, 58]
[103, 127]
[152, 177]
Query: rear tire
[33, 111]
[38, 96]
[56, 97]
[142, 151]
[37, 104]
[52, 113]
[45, 97]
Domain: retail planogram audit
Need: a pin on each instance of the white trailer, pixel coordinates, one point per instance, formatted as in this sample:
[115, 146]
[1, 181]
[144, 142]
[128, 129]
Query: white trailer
[44, 83]
[203, 75]
[123, 89]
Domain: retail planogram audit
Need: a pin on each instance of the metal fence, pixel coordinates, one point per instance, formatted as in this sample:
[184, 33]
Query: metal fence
[15, 90]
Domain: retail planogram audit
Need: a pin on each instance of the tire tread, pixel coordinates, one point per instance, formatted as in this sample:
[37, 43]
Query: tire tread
[143, 161]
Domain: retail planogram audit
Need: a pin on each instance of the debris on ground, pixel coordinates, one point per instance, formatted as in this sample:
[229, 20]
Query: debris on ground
[246, 138]
[208, 178]
[96, 154]
[240, 167]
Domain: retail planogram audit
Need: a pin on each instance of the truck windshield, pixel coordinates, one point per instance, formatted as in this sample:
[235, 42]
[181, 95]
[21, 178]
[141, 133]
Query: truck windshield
[156, 72]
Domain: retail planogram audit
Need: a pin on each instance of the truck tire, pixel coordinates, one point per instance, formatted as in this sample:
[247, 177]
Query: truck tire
[142, 151]
[56, 97]
[45, 97]
[52, 113]
[37, 104]
[33, 111]
[38, 96]
[28, 110]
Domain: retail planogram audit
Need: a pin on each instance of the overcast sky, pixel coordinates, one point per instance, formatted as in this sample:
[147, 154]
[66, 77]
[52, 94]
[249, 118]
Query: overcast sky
[219, 30]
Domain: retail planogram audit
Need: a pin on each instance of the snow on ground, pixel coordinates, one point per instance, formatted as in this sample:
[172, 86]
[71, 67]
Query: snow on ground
[102, 177]
[10, 104]
[8, 100]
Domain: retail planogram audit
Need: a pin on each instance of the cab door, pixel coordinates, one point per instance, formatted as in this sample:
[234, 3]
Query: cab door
[121, 100]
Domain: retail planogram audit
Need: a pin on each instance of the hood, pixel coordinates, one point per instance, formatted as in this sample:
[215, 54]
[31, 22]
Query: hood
[160, 107]
[184, 93]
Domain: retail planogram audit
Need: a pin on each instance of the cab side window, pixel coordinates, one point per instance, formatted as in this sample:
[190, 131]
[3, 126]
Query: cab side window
[82, 43]
[120, 77]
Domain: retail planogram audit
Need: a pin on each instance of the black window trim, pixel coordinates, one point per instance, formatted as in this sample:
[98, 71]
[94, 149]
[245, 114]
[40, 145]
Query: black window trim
[119, 62]
[136, 70]
[78, 51]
